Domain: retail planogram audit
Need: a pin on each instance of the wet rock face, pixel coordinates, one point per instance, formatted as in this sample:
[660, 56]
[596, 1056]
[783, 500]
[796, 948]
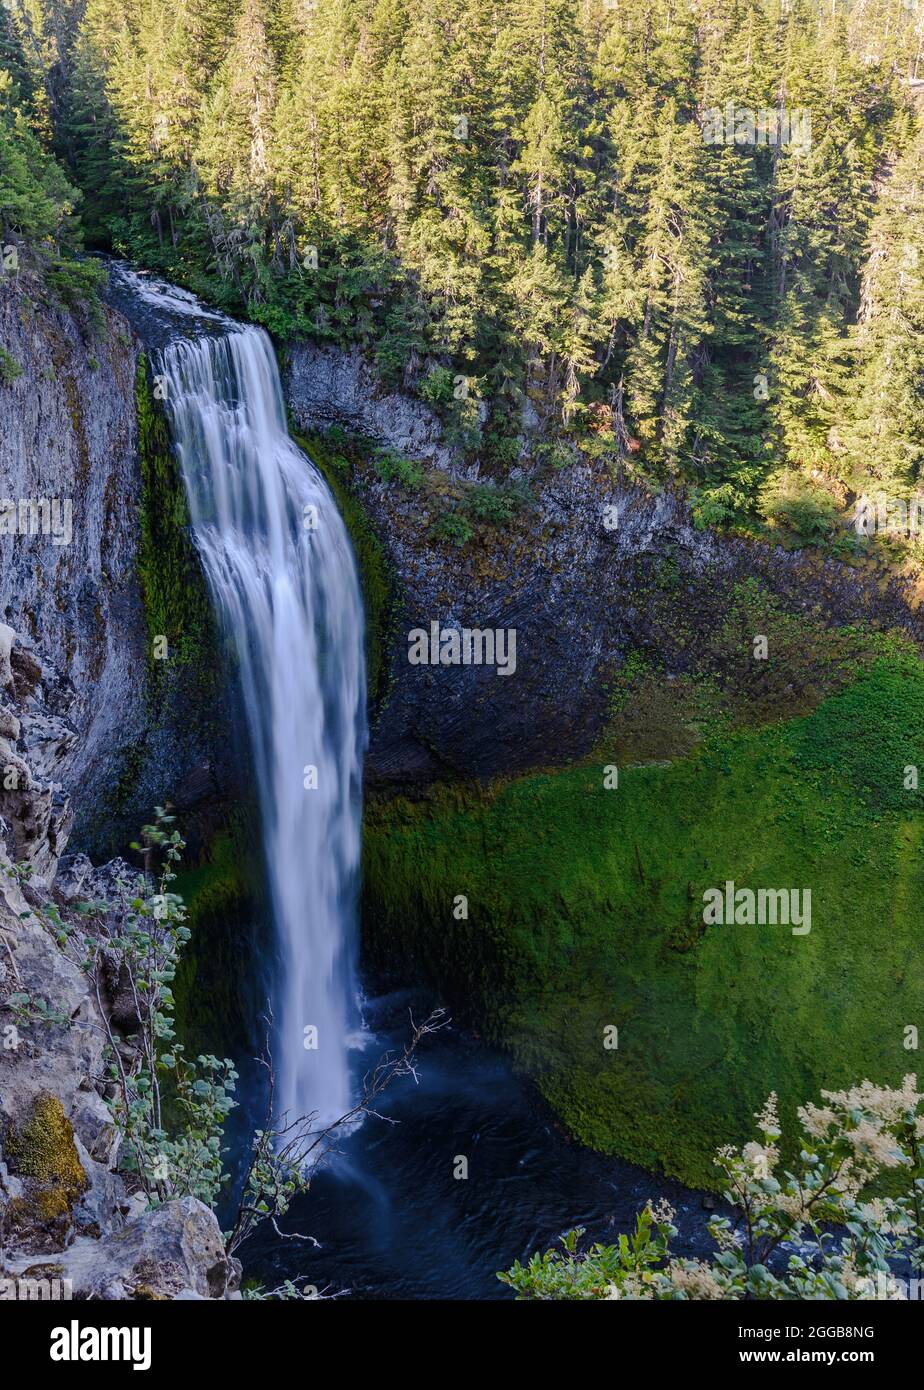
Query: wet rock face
[70, 493]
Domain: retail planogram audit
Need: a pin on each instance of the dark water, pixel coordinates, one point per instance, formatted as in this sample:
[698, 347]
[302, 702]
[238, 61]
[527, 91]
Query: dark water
[394, 1223]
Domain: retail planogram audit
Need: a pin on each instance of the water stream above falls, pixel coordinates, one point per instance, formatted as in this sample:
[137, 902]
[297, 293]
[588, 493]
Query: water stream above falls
[391, 1217]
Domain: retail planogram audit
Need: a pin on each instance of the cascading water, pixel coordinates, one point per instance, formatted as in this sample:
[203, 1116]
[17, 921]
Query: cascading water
[281, 569]
[289, 597]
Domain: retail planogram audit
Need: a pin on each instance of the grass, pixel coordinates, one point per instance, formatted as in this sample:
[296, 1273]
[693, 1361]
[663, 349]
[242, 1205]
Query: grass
[585, 911]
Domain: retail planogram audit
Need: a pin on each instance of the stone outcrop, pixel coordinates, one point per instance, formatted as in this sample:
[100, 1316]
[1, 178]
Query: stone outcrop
[594, 569]
[328, 386]
[172, 1252]
[65, 1212]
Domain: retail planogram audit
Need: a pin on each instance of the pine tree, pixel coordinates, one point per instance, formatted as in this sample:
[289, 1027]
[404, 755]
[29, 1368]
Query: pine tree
[884, 437]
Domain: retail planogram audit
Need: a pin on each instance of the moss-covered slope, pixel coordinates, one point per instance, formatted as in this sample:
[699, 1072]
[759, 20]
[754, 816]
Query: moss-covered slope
[585, 912]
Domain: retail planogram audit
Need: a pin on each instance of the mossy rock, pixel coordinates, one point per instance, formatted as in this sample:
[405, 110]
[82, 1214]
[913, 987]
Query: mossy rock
[176, 598]
[42, 1152]
[227, 915]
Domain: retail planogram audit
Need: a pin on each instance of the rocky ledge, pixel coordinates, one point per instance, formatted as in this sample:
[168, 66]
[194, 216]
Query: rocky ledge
[587, 570]
[66, 1212]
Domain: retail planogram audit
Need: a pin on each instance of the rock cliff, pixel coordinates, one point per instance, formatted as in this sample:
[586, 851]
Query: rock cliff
[590, 570]
[76, 509]
[65, 1213]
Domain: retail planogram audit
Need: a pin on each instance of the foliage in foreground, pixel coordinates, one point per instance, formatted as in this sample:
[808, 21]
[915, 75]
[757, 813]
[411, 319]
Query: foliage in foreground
[171, 1110]
[815, 1233]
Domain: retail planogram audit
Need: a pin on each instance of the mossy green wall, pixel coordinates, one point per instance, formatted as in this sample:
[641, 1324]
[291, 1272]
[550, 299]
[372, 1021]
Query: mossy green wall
[216, 991]
[176, 598]
[585, 910]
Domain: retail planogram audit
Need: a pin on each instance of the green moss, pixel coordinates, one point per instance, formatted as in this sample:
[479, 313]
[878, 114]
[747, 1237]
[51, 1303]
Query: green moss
[654, 715]
[9, 368]
[78, 425]
[337, 456]
[222, 896]
[132, 760]
[176, 598]
[858, 735]
[585, 911]
[44, 1149]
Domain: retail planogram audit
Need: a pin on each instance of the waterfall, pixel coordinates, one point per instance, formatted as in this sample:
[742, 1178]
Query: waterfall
[283, 577]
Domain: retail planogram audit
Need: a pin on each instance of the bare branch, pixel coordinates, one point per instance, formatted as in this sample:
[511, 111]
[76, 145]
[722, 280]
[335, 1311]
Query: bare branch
[287, 1153]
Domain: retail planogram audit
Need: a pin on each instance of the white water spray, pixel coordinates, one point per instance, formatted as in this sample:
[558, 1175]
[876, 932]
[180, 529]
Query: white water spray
[281, 569]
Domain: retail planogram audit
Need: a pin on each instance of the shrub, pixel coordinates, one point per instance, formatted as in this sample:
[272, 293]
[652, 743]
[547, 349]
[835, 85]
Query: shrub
[503, 449]
[713, 506]
[9, 368]
[392, 467]
[795, 503]
[847, 1145]
[454, 527]
[497, 505]
[437, 387]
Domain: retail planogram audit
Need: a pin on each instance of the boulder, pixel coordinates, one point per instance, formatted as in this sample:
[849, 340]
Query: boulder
[176, 1250]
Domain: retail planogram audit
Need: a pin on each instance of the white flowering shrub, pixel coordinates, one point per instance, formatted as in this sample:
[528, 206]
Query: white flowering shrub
[825, 1231]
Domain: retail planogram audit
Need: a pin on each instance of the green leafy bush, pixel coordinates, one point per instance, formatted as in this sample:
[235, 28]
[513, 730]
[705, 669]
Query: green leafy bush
[9, 368]
[851, 1243]
[437, 387]
[392, 467]
[714, 506]
[792, 502]
[454, 527]
[497, 505]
